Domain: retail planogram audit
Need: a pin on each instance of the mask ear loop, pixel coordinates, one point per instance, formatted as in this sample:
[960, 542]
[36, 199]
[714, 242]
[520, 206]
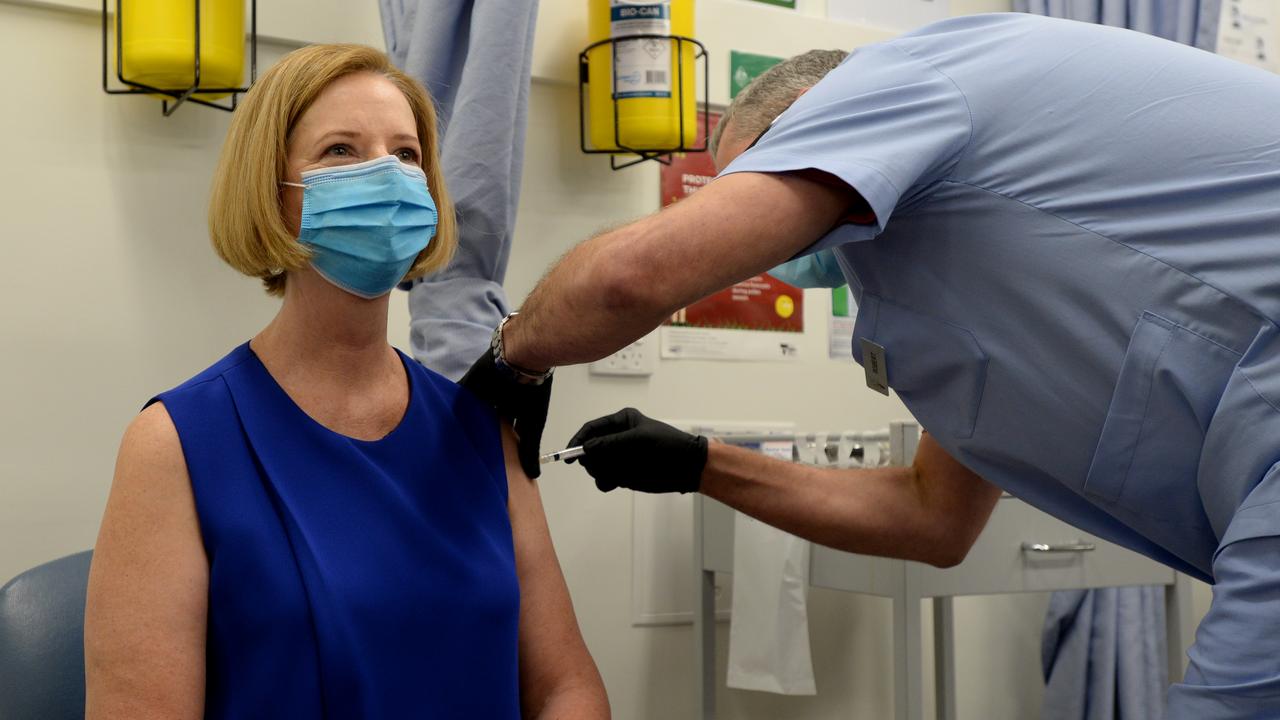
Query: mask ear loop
[280, 271]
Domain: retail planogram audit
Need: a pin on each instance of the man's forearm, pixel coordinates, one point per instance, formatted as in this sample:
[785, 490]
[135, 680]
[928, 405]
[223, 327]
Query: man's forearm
[931, 512]
[618, 286]
[584, 308]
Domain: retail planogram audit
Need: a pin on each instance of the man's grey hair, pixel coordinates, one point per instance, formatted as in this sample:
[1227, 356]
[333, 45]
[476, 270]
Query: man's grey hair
[761, 102]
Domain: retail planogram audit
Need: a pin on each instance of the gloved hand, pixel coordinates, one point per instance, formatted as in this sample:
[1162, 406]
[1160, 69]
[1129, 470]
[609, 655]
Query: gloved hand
[627, 449]
[525, 406]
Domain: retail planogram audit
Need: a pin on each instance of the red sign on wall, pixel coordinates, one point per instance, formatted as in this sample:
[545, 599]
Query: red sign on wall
[759, 303]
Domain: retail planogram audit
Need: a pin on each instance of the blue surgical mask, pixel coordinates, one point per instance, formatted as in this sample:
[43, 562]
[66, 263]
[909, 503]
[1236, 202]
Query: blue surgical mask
[366, 223]
[818, 270]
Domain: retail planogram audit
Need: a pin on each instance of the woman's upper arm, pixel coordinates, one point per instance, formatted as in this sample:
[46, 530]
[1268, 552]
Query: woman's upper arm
[146, 611]
[557, 675]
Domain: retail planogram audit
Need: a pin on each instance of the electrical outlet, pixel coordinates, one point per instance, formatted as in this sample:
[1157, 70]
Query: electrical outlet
[637, 359]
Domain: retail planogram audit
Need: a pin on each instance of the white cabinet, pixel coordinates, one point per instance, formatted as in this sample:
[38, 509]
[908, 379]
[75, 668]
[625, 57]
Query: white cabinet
[1021, 550]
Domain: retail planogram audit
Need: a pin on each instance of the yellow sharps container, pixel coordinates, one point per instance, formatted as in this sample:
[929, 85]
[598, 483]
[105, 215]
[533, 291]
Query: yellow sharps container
[159, 43]
[647, 86]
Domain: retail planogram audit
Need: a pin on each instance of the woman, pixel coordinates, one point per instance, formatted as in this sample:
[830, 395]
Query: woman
[316, 526]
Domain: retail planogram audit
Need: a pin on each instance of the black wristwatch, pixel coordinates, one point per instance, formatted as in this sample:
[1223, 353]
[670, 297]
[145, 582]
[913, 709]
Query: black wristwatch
[515, 372]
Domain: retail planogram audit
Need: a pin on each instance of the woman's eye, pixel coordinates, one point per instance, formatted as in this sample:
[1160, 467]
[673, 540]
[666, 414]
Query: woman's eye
[338, 151]
[407, 155]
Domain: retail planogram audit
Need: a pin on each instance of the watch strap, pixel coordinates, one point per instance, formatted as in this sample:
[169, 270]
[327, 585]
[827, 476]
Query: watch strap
[521, 375]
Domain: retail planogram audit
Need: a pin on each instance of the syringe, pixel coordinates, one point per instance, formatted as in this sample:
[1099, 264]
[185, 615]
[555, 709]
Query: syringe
[566, 454]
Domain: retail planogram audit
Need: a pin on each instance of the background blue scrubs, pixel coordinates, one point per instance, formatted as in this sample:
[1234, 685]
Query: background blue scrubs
[1075, 275]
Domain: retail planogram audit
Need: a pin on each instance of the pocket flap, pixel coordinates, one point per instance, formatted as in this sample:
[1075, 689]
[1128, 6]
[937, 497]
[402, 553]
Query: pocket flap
[1171, 380]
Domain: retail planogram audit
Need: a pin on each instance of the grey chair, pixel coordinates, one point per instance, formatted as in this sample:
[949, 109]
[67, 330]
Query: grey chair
[42, 641]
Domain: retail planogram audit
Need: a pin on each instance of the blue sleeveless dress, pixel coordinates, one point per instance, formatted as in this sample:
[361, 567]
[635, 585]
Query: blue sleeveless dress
[350, 578]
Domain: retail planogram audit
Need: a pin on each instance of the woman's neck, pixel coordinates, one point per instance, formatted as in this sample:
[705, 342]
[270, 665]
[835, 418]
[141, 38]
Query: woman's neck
[324, 330]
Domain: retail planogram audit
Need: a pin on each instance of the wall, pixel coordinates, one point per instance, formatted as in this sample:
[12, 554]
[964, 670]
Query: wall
[112, 294]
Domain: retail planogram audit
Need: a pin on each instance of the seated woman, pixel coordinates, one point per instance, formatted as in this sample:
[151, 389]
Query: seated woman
[317, 526]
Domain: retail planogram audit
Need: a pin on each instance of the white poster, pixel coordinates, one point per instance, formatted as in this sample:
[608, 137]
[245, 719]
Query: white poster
[1249, 31]
[840, 331]
[895, 15]
[698, 343]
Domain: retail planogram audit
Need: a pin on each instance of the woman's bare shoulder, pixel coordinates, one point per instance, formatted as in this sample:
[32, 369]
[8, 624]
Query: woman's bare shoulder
[152, 437]
[151, 488]
[145, 614]
[151, 492]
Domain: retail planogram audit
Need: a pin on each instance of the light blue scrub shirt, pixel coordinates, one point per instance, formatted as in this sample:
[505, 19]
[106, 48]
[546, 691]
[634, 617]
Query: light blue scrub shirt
[1076, 268]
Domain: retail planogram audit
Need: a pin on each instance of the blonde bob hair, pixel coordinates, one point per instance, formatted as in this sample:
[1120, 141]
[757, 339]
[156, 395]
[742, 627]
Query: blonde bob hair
[246, 217]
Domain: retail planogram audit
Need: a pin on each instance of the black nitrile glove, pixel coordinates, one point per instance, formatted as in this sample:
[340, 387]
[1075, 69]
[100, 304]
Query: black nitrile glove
[524, 405]
[627, 449]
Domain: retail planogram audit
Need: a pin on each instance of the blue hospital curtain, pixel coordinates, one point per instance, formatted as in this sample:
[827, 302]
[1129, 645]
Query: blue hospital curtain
[1103, 651]
[474, 57]
[1191, 22]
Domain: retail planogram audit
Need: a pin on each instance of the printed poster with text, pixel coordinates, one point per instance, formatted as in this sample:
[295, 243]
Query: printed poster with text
[760, 318]
[1249, 31]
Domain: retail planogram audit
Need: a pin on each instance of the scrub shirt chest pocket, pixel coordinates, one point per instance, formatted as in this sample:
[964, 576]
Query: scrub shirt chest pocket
[937, 368]
[1171, 380]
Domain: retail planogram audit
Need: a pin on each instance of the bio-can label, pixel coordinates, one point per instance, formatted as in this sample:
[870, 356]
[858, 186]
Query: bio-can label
[641, 67]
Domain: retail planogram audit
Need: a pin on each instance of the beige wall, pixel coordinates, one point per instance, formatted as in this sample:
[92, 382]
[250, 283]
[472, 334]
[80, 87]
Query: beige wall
[111, 293]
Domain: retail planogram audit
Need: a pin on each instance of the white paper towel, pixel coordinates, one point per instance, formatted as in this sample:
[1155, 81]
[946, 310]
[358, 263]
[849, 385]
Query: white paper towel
[769, 623]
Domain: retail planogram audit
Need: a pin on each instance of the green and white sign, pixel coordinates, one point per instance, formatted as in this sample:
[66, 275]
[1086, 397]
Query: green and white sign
[780, 3]
[745, 67]
[840, 324]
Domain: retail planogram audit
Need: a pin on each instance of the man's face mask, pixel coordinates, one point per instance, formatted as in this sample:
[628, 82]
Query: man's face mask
[819, 270]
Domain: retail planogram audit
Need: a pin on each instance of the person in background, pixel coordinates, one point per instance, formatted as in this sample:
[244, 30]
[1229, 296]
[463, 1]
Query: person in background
[1064, 240]
[317, 526]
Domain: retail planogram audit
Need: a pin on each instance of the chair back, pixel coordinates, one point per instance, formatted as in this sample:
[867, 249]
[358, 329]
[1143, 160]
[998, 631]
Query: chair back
[42, 641]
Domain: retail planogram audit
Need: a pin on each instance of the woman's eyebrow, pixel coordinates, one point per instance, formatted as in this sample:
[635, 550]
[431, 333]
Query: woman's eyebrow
[347, 134]
[352, 135]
